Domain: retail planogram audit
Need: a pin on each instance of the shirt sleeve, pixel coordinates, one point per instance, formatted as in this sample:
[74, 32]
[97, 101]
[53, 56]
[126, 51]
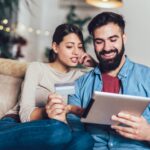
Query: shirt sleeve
[27, 98]
[74, 120]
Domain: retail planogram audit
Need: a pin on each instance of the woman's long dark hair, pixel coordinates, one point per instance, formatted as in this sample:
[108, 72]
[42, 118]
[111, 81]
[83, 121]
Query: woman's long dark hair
[60, 32]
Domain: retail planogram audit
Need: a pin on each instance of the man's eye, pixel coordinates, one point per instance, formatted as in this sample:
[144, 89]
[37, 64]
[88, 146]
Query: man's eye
[98, 42]
[113, 40]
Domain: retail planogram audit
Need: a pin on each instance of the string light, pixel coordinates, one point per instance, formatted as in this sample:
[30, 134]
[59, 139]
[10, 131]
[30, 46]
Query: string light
[7, 29]
[30, 30]
[38, 31]
[22, 28]
[1, 27]
[5, 21]
[47, 33]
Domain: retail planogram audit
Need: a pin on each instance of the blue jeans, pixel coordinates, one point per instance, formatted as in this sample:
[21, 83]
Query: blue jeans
[41, 135]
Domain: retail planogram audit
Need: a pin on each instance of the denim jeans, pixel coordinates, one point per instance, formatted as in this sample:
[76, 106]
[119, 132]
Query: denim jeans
[41, 135]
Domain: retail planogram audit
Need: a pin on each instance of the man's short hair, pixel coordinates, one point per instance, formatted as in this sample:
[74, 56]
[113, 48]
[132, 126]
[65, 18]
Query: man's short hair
[104, 18]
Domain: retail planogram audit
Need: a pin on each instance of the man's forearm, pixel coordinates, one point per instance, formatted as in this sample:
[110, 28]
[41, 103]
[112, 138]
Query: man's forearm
[76, 110]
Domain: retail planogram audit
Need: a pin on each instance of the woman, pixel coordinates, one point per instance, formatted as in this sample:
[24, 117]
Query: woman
[67, 48]
[39, 129]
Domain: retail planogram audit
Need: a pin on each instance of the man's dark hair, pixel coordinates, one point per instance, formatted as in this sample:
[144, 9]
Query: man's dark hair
[105, 18]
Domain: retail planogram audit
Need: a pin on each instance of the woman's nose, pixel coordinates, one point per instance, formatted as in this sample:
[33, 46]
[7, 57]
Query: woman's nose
[76, 51]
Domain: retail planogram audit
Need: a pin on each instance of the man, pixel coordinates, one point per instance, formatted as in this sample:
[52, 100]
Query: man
[117, 74]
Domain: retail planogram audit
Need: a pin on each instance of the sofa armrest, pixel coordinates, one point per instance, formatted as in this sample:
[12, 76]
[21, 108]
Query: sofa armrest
[12, 67]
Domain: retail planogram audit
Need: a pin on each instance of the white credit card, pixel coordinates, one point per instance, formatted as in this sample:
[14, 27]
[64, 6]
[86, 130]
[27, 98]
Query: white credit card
[65, 89]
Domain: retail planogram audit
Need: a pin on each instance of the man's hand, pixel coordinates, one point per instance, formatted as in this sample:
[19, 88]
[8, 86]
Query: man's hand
[56, 108]
[87, 60]
[136, 128]
[75, 110]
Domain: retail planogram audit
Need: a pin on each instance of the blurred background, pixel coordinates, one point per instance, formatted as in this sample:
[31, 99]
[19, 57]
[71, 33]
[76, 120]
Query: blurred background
[27, 26]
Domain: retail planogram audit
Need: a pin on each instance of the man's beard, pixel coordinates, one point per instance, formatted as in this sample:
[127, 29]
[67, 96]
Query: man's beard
[110, 64]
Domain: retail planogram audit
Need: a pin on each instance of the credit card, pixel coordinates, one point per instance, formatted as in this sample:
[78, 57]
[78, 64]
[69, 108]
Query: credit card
[65, 89]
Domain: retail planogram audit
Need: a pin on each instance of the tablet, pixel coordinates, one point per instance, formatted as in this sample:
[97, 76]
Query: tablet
[103, 105]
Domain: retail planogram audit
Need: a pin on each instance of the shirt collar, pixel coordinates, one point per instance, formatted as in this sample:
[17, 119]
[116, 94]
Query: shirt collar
[127, 66]
[124, 71]
[96, 70]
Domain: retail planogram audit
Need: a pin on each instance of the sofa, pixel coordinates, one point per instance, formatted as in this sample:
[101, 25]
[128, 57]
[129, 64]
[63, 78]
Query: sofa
[11, 76]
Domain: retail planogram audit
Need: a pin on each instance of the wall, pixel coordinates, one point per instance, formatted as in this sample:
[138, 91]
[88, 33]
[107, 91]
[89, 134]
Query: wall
[47, 14]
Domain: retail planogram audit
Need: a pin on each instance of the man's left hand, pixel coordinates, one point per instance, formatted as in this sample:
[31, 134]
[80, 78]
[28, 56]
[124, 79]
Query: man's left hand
[136, 128]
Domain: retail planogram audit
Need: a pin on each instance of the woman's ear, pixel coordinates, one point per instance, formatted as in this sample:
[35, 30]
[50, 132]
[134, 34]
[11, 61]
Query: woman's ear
[54, 47]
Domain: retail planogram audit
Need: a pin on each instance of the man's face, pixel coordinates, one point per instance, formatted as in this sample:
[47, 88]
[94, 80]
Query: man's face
[109, 46]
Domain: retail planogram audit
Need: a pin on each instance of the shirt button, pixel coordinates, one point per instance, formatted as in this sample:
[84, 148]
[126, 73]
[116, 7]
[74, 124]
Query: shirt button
[111, 144]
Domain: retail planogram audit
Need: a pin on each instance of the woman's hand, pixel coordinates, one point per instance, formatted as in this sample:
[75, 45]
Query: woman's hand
[136, 128]
[87, 60]
[56, 108]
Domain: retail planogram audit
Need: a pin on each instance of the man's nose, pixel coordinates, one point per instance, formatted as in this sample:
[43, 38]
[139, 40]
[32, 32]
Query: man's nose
[107, 46]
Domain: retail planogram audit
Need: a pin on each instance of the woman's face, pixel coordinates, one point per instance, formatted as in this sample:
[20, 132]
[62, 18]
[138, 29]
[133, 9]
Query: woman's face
[69, 50]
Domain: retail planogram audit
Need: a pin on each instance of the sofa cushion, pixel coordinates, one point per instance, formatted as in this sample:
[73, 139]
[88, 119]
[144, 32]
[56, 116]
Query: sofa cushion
[9, 89]
[12, 67]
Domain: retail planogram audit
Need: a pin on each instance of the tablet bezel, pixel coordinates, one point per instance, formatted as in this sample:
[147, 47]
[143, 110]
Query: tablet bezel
[103, 105]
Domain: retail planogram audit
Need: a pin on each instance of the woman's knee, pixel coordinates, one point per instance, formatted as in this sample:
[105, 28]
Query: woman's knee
[60, 134]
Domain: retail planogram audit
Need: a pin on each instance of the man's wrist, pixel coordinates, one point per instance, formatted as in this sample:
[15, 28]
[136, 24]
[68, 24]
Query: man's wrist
[76, 110]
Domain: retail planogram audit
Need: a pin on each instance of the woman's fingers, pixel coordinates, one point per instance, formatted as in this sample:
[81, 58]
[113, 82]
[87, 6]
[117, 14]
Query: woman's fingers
[56, 108]
[87, 60]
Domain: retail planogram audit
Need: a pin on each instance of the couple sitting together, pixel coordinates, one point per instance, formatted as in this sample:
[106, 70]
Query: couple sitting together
[48, 123]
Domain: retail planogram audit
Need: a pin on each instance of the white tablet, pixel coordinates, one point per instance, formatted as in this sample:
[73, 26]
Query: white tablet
[104, 105]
